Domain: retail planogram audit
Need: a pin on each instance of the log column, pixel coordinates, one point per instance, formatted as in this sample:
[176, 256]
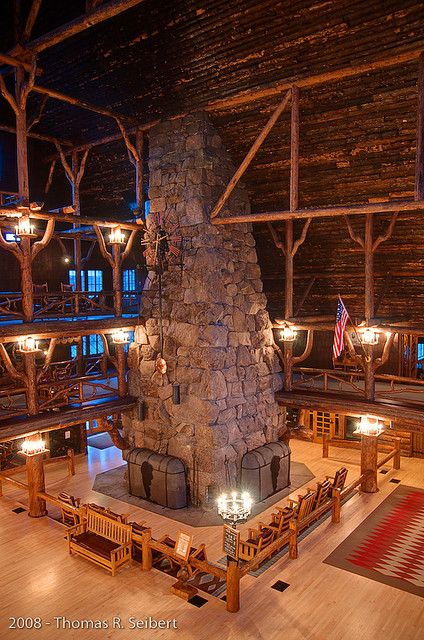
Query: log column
[369, 453]
[121, 368]
[36, 483]
[31, 383]
[369, 372]
[117, 280]
[288, 303]
[26, 279]
[233, 585]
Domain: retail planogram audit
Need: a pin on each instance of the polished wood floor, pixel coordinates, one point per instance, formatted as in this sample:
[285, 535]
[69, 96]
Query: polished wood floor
[40, 578]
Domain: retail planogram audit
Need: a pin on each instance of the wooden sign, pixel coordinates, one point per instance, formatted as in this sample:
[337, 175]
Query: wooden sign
[231, 541]
[183, 545]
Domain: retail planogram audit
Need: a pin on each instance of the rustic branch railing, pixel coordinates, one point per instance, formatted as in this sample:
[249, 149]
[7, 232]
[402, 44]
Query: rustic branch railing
[310, 378]
[69, 458]
[393, 454]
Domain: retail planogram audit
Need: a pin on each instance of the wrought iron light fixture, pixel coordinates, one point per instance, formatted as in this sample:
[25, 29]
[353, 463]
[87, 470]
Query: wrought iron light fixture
[370, 426]
[287, 334]
[116, 236]
[33, 447]
[236, 508]
[369, 336]
[27, 344]
[24, 228]
[120, 337]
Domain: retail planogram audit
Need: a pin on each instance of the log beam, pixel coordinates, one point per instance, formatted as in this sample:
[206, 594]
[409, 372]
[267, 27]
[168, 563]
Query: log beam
[313, 81]
[324, 212]
[100, 14]
[251, 154]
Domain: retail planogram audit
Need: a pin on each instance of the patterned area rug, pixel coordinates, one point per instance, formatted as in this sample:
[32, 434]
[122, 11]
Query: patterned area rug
[389, 545]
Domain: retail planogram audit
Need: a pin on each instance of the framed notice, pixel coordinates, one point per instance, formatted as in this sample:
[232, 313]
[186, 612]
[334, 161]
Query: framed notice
[183, 545]
[230, 543]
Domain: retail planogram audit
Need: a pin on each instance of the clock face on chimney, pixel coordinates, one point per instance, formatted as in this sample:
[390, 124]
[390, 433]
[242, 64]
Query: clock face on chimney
[162, 240]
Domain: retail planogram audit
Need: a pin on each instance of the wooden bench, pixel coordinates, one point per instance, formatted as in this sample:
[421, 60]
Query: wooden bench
[257, 540]
[102, 540]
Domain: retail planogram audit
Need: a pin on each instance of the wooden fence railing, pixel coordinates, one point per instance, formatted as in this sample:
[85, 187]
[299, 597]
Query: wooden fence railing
[393, 454]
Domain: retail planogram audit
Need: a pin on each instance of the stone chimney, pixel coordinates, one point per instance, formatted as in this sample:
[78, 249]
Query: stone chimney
[217, 338]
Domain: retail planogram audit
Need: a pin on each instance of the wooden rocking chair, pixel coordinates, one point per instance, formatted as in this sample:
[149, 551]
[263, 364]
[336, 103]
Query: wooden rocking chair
[69, 516]
[257, 540]
[279, 521]
[323, 493]
[303, 507]
[338, 480]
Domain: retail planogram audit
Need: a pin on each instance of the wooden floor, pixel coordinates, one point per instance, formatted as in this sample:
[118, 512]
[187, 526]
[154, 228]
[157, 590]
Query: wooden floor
[40, 578]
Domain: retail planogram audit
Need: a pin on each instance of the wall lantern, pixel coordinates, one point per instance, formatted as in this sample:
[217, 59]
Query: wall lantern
[369, 336]
[287, 334]
[234, 509]
[33, 447]
[116, 236]
[370, 426]
[24, 228]
[120, 337]
[28, 345]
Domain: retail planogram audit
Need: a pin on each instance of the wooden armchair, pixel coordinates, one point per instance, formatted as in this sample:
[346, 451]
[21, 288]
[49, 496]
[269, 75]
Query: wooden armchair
[67, 509]
[323, 493]
[338, 480]
[279, 521]
[303, 506]
[257, 540]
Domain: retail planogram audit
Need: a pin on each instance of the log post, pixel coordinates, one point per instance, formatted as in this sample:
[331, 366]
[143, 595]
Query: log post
[36, 483]
[120, 368]
[396, 457]
[25, 260]
[369, 372]
[325, 445]
[31, 383]
[71, 461]
[369, 453]
[288, 302]
[233, 585]
[146, 550]
[335, 512]
[21, 135]
[293, 553]
[117, 281]
[77, 263]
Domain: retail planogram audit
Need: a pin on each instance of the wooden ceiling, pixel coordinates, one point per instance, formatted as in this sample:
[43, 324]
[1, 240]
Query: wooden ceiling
[357, 135]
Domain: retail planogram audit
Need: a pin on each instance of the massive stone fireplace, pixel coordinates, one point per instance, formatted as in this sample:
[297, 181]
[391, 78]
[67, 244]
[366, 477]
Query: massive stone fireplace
[217, 338]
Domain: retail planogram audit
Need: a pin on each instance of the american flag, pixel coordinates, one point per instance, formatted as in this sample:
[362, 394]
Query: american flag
[342, 317]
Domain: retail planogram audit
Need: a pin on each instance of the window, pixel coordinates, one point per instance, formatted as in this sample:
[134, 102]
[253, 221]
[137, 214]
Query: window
[420, 354]
[91, 279]
[91, 345]
[128, 280]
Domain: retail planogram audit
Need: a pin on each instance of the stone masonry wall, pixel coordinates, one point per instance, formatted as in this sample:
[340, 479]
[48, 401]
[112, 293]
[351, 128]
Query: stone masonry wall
[217, 333]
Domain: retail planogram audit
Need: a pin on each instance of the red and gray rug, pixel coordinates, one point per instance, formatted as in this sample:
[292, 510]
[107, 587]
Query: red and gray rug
[389, 545]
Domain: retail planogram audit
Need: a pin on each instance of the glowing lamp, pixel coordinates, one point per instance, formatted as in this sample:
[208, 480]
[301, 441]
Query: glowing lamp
[33, 447]
[370, 426]
[116, 236]
[234, 509]
[24, 227]
[369, 336]
[287, 334]
[120, 337]
[28, 345]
